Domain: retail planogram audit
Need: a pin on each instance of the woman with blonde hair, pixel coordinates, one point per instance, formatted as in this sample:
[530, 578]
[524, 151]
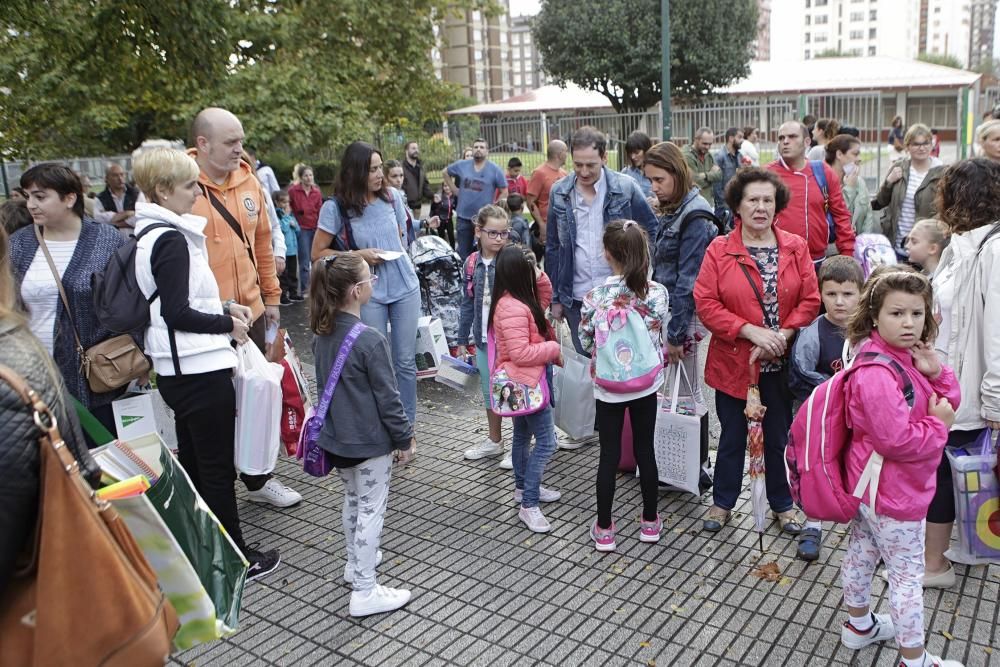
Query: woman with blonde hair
[190, 334]
[988, 138]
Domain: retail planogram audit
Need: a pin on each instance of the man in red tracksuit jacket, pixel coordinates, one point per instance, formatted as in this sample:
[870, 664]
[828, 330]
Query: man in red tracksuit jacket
[806, 214]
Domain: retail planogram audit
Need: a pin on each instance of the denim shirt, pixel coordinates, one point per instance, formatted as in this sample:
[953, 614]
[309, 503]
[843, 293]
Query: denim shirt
[728, 164]
[471, 315]
[640, 178]
[677, 260]
[623, 200]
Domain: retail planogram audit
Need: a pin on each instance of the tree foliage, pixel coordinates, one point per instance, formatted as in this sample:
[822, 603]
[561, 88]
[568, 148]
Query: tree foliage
[104, 75]
[613, 46]
[944, 59]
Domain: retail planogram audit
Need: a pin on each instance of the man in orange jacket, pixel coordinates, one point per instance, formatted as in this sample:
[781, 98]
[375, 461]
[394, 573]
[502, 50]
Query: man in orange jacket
[238, 237]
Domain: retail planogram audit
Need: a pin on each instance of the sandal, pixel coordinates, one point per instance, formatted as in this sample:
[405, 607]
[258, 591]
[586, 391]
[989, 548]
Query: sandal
[716, 519]
[789, 522]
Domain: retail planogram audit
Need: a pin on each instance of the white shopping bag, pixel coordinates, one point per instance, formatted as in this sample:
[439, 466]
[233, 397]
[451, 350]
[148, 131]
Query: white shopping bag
[573, 394]
[677, 437]
[258, 411]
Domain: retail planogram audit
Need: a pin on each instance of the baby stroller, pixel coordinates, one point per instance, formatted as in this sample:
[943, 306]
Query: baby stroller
[439, 270]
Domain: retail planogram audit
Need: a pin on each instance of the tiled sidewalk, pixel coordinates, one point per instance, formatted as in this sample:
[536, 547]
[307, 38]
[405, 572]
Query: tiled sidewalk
[489, 592]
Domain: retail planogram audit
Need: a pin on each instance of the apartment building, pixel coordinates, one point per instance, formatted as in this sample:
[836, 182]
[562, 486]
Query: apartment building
[526, 72]
[474, 52]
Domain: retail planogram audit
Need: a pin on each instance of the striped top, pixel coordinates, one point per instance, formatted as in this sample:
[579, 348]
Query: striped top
[40, 293]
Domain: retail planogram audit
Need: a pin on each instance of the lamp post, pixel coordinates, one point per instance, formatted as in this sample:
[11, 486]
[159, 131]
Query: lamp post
[665, 67]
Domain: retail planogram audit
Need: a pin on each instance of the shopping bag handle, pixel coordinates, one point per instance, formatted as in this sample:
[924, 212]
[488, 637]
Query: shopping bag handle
[677, 385]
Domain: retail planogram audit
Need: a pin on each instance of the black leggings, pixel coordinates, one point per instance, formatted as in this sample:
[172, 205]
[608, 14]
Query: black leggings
[942, 507]
[610, 422]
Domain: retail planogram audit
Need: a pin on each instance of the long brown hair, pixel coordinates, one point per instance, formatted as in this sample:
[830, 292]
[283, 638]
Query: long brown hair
[667, 156]
[333, 277]
[626, 242]
[8, 290]
[883, 280]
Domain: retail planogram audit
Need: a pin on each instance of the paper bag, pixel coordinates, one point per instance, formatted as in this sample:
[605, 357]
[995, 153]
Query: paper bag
[431, 346]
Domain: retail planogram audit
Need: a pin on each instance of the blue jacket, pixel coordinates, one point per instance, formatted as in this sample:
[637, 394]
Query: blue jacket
[290, 230]
[97, 243]
[677, 260]
[624, 200]
[471, 316]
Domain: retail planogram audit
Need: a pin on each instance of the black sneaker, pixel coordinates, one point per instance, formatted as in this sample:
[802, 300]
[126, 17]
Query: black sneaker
[262, 563]
[285, 301]
[295, 298]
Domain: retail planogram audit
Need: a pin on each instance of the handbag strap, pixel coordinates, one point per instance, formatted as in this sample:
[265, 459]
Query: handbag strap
[338, 367]
[230, 220]
[62, 292]
[756, 292]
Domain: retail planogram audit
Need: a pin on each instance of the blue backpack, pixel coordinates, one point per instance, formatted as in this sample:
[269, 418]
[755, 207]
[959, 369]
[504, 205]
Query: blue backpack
[625, 359]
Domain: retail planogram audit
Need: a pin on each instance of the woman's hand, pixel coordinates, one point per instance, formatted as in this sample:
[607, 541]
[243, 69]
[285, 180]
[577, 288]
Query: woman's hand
[759, 354]
[241, 330]
[370, 255]
[851, 180]
[767, 340]
[941, 408]
[995, 426]
[241, 312]
[434, 222]
[675, 353]
[895, 174]
[925, 360]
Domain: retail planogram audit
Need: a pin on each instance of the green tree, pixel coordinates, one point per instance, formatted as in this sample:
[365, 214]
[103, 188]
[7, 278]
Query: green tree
[613, 46]
[944, 59]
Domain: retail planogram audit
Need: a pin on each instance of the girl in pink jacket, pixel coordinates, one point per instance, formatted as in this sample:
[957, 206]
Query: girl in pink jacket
[894, 319]
[525, 350]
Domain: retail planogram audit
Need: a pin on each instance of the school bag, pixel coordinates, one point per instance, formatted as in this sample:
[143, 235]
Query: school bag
[470, 270]
[508, 397]
[119, 304]
[872, 251]
[818, 443]
[625, 359]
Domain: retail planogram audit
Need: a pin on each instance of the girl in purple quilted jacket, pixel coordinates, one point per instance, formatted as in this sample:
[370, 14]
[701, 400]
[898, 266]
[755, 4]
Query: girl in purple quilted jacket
[894, 319]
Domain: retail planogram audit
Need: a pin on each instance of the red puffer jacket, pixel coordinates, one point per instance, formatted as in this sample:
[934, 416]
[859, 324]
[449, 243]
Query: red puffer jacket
[725, 301]
[521, 348]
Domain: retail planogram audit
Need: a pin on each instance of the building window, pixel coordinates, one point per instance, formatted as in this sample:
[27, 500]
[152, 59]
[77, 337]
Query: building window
[527, 38]
[528, 79]
[808, 19]
[857, 34]
[807, 50]
[873, 15]
[517, 79]
[822, 19]
[871, 33]
[808, 35]
[856, 52]
[820, 38]
[871, 50]
[822, 3]
[857, 16]
[516, 38]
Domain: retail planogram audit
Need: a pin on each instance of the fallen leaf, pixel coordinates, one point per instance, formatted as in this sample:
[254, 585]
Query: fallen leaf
[644, 644]
[988, 650]
[650, 663]
[785, 581]
[619, 610]
[767, 572]
[947, 635]
[677, 610]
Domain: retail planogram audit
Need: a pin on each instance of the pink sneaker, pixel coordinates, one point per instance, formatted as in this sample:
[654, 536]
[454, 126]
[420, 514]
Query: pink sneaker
[649, 531]
[604, 538]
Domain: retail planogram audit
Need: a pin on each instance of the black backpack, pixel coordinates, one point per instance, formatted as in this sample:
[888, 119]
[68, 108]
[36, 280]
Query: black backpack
[119, 304]
[709, 217]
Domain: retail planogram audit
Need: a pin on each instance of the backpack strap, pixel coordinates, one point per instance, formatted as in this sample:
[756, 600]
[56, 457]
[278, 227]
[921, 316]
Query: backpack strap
[819, 173]
[171, 333]
[702, 214]
[146, 230]
[470, 270]
[345, 242]
[993, 232]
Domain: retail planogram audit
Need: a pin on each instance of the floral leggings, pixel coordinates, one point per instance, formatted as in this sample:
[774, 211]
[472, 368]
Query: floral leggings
[901, 545]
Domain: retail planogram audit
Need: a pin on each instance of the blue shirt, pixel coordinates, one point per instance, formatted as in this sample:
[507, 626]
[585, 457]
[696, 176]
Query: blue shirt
[379, 226]
[637, 174]
[476, 189]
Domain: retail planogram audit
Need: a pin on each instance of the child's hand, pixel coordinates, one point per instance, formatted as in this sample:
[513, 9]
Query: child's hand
[941, 408]
[925, 360]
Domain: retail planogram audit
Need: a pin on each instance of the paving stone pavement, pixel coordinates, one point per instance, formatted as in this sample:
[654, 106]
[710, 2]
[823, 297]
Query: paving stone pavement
[486, 591]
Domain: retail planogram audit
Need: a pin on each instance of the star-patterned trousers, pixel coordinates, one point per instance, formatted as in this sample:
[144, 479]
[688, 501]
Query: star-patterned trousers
[366, 494]
[901, 545]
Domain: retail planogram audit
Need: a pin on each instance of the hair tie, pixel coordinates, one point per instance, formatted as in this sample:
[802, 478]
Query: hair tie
[629, 223]
[329, 259]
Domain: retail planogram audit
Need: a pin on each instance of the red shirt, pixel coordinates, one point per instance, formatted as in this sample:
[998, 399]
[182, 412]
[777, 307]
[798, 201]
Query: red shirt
[305, 207]
[541, 183]
[518, 185]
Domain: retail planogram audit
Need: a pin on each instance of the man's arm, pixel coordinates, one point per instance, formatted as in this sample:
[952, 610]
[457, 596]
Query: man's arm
[270, 290]
[427, 192]
[843, 229]
[448, 179]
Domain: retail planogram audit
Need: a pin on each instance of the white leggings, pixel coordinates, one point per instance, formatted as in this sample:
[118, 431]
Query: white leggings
[901, 545]
[366, 494]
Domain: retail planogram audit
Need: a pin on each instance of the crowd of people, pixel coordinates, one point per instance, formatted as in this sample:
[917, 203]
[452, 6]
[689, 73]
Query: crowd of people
[640, 266]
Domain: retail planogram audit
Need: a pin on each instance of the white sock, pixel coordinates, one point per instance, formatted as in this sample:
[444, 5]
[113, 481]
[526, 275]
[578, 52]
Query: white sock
[863, 623]
[818, 525]
[915, 662]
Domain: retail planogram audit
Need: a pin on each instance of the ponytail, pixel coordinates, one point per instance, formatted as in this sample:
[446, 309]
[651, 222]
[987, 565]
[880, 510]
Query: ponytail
[332, 279]
[626, 242]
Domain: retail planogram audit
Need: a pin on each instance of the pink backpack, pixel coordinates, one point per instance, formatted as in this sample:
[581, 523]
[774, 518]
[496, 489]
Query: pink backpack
[817, 448]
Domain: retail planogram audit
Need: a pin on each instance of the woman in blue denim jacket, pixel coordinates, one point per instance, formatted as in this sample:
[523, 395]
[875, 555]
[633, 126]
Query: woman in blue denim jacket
[678, 250]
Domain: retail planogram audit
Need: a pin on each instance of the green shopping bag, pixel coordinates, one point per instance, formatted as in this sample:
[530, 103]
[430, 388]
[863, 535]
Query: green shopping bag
[213, 555]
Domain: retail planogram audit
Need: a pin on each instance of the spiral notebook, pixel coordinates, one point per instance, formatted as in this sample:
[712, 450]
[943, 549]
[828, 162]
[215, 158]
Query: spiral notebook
[121, 460]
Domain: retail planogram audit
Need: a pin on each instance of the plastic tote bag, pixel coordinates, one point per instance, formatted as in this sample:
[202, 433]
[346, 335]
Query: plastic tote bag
[977, 501]
[573, 392]
[258, 411]
[677, 437]
[211, 553]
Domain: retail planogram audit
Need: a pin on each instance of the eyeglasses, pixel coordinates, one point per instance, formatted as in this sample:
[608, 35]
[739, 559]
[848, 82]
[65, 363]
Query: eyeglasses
[922, 144]
[371, 279]
[494, 235]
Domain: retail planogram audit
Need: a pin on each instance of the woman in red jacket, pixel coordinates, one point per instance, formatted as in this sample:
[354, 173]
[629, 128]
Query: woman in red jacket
[756, 288]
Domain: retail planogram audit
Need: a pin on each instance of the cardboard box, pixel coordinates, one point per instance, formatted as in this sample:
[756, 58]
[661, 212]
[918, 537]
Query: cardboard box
[457, 374]
[431, 346]
[142, 414]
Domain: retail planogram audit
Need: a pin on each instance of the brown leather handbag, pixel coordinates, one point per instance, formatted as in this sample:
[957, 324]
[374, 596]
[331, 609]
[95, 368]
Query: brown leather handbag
[110, 364]
[87, 595]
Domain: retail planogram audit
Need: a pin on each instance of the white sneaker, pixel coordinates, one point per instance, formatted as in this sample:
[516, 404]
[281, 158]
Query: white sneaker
[349, 569]
[507, 463]
[378, 600]
[275, 493]
[568, 443]
[486, 448]
[544, 495]
[534, 519]
[934, 661]
[854, 639]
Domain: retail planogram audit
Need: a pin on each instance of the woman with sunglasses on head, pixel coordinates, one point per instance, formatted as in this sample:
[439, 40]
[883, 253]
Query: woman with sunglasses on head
[368, 217]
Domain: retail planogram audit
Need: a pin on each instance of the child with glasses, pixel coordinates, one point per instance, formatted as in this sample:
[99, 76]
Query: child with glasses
[360, 447]
[493, 233]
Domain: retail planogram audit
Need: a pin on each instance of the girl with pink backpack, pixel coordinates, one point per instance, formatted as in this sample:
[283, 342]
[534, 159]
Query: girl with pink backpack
[894, 321]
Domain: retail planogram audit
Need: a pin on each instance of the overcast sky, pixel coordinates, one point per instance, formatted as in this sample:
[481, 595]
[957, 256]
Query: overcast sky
[524, 7]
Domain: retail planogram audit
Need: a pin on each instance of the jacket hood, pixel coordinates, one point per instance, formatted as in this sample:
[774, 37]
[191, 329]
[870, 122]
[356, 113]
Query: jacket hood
[236, 178]
[148, 214]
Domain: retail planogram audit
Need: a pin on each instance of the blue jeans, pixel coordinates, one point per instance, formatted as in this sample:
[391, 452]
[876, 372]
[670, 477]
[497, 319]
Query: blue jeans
[305, 258]
[572, 315]
[403, 316]
[529, 466]
[465, 235]
[731, 456]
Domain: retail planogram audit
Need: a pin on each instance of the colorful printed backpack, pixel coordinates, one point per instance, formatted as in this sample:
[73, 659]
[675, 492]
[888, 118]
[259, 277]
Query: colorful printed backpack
[625, 359]
[873, 251]
[509, 398]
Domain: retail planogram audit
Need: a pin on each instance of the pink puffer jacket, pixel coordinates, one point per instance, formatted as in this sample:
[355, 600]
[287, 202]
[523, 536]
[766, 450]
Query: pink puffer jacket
[521, 349]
